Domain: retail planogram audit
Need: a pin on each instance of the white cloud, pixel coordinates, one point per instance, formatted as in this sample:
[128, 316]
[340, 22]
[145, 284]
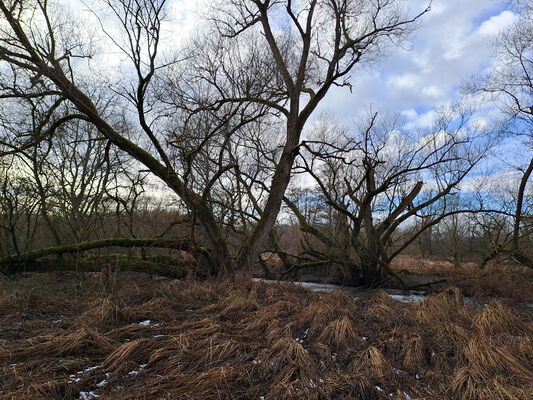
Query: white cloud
[405, 81]
[452, 44]
[433, 91]
[497, 23]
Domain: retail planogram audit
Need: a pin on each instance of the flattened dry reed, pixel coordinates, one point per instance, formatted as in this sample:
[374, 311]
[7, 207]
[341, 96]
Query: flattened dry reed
[52, 390]
[83, 342]
[280, 341]
[446, 307]
[106, 312]
[483, 355]
[137, 351]
[371, 361]
[469, 384]
[414, 355]
[288, 360]
[238, 304]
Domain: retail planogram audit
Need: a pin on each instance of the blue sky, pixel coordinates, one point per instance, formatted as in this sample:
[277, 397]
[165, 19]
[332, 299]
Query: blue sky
[452, 44]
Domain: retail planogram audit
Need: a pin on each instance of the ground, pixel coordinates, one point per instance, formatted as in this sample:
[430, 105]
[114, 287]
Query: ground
[67, 337]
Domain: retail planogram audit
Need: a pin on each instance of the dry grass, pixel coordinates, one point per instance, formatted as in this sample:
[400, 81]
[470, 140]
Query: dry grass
[495, 280]
[340, 335]
[106, 312]
[495, 318]
[414, 354]
[240, 339]
[373, 361]
[491, 358]
[445, 307]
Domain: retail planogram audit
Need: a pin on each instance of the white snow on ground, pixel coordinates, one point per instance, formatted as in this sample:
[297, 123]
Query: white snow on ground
[104, 382]
[148, 323]
[88, 395]
[137, 371]
[89, 369]
[73, 377]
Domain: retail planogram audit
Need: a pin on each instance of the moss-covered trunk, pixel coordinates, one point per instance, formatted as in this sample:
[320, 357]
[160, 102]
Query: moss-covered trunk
[21, 262]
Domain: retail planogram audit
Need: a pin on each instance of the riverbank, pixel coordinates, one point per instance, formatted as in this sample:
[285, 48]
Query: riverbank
[64, 337]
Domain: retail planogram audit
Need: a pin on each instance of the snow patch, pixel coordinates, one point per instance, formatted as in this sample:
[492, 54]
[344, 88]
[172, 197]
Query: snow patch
[88, 395]
[104, 382]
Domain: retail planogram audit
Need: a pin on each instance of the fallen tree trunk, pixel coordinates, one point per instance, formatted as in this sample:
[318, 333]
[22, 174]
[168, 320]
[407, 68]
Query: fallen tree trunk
[521, 258]
[129, 264]
[16, 263]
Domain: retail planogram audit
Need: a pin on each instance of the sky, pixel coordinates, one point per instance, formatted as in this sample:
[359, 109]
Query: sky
[451, 45]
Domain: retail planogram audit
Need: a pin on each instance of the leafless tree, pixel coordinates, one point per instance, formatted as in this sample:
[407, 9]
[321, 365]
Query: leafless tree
[382, 179]
[311, 46]
[510, 82]
[18, 207]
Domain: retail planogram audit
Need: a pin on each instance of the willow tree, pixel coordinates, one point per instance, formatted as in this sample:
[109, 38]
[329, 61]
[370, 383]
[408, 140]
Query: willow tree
[306, 48]
[385, 185]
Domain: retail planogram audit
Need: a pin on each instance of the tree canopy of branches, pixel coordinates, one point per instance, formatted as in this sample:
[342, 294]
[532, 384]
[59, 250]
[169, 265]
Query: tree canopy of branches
[260, 63]
[380, 179]
[510, 83]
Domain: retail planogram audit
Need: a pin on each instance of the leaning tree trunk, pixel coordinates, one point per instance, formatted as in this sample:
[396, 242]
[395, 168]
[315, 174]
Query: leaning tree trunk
[19, 262]
[519, 205]
[249, 252]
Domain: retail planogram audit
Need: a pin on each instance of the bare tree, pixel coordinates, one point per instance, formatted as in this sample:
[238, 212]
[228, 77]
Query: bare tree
[382, 179]
[18, 208]
[510, 82]
[319, 50]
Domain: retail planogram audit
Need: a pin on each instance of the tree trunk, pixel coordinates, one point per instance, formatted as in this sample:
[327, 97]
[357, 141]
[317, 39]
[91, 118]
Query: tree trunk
[519, 204]
[373, 272]
[252, 247]
[15, 263]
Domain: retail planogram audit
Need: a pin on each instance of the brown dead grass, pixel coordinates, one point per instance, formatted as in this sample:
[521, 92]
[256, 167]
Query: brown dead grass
[240, 339]
[495, 280]
[106, 312]
[495, 318]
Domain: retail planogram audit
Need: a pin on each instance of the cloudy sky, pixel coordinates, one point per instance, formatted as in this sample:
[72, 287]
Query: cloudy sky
[452, 44]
